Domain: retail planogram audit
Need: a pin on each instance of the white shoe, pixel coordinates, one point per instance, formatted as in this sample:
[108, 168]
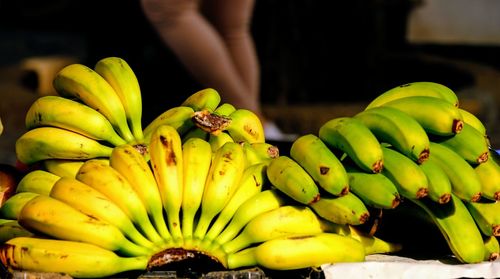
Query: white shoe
[273, 132]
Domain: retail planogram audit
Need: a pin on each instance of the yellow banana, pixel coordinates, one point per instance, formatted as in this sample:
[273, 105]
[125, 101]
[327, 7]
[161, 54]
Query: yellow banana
[225, 109]
[118, 73]
[245, 125]
[195, 132]
[344, 210]
[439, 184]
[63, 167]
[56, 111]
[94, 203]
[487, 217]
[217, 141]
[373, 244]
[405, 173]
[321, 164]
[166, 160]
[473, 120]
[197, 157]
[11, 208]
[464, 180]
[352, 137]
[399, 129]
[491, 248]
[55, 143]
[222, 181]
[290, 253]
[76, 259]
[81, 82]
[115, 187]
[59, 220]
[435, 115]
[259, 152]
[489, 176]
[207, 98]
[177, 117]
[419, 88]
[37, 181]
[10, 229]
[126, 160]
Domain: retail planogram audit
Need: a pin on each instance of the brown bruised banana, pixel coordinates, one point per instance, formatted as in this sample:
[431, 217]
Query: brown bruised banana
[487, 216]
[321, 164]
[351, 136]
[344, 210]
[489, 176]
[439, 189]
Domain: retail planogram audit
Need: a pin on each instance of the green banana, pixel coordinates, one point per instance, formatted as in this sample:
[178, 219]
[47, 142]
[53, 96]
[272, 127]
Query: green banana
[440, 188]
[207, 98]
[12, 207]
[10, 229]
[259, 152]
[473, 120]
[178, 117]
[344, 210]
[351, 136]
[487, 217]
[37, 181]
[225, 109]
[489, 176]
[492, 248]
[373, 244]
[321, 163]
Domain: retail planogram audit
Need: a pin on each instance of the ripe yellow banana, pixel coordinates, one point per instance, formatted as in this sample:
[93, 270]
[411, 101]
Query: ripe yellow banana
[115, 187]
[373, 244]
[222, 181]
[55, 143]
[245, 125]
[352, 137]
[321, 164]
[177, 117]
[435, 115]
[94, 203]
[76, 259]
[311, 251]
[59, 220]
[207, 98]
[348, 209]
[419, 88]
[489, 176]
[118, 73]
[37, 181]
[439, 185]
[399, 129]
[259, 152]
[487, 217]
[166, 160]
[56, 111]
[405, 173]
[491, 248]
[126, 160]
[63, 167]
[11, 208]
[81, 82]
[464, 180]
[217, 141]
[289, 177]
[10, 229]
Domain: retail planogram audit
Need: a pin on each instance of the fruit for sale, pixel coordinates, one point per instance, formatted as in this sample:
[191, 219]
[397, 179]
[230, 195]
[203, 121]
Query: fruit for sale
[491, 248]
[259, 152]
[37, 181]
[344, 210]
[321, 164]
[489, 176]
[352, 137]
[178, 117]
[245, 125]
[118, 73]
[207, 98]
[12, 207]
[487, 217]
[439, 185]
[289, 177]
[399, 129]
[10, 229]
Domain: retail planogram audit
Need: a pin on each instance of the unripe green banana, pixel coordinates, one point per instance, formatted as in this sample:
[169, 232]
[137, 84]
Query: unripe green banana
[178, 117]
[399, 129]
[464, 180]
[491, 248]
[351, 136]
[321, 163]
[419, 88]
[76, 259]
[245, 125]
[259, 152]
[11, 208]
[311, 251]
[225, 109]
[289, 177]
[439, 185]
[473, 120]
[435, 115]
[489, 176]
[56, 111]
[37, 181]
[10, 229]
[344, 210]
[56, 143]
[405, 173]
[487, 216]
[207, 98]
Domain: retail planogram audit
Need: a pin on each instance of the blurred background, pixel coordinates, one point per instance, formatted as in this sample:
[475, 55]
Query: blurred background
[319, 59]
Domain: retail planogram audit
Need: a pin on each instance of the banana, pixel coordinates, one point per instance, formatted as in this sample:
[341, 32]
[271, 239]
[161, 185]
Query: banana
[245, 125]
[63, 167]
[321, 164]
[76, 259]
[439, 185]
[259, 152]
[222, 181]
[469, 143]
[487, 217]
[473, 120]
[10, 229]
[37, 181]
[195, 132]
[59, 220]
[56, 111]
[207, 98]
[166, 160]
[457, 227]
[197, 158]
[435, 115]
[489, 176]
[81, 82]
[464, 180]
[93, 203]
[405, 173]
[285, 221]
[126, 160]
[492, 248]
[286, 175]
[217, 141]
[344, 210]
[178, 117]
[374, 189]
[259, 203]
[225, 109]
[399, 129]
[310, 251]
[55, 143]
[373, 244]
[115, 187]
[118, 73]
[12, 207]
[352, 137]
[419, 88]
